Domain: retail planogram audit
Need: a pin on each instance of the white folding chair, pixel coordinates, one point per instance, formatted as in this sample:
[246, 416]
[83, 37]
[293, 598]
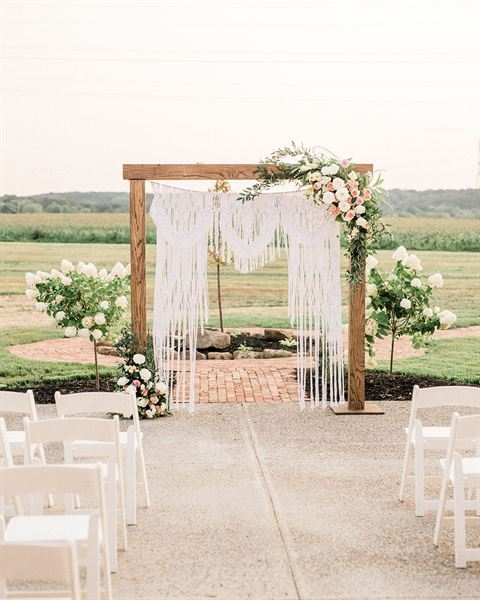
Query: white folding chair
[131, 441]
[53, 563]
[5, 452]
[421, 439]
[464, 474]
[21, 403]
[105, 434]
[88, 532]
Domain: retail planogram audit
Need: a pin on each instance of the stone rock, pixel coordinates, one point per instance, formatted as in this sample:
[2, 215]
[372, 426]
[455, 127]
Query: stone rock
[220, 356]
[258, 336]
[238, 354]
[107, 349]
[198, 355]
[275, 335]
[270, 353]
[213, 338]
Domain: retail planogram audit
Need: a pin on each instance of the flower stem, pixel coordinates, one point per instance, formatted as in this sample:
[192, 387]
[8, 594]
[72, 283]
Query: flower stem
[97, 376]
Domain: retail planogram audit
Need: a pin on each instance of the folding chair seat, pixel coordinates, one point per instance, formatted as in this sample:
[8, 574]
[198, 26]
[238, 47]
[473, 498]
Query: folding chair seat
[53, 563]
[420, 438]
[104, 435]
[87, 531]
[463, 472]
[73, 405]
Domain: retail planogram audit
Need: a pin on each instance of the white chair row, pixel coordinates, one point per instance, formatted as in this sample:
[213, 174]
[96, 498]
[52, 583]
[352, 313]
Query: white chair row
[84, 439]
[463, 472]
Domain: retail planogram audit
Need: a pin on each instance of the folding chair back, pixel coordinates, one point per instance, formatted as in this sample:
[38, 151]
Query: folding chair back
[40, 563]
[68, 430]
[454, 395]
[5, 454]
[54, 479]
[18, 402]
[96, 402]
[466, 427]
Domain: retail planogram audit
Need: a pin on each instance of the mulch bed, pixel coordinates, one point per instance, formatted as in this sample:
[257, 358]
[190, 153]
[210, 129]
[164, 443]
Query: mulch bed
[256, 344]
[44, 394]
[396, 387]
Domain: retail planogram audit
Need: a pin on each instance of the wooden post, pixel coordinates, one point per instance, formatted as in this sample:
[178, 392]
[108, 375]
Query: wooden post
[356, 345]
[138, 260]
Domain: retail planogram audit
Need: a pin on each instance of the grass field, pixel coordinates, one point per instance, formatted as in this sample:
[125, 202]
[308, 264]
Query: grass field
[254, 299]
[418, 233]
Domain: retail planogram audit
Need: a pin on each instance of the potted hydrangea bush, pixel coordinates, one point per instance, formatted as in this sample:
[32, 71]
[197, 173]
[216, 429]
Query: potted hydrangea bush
[399, 303]
[82, 300]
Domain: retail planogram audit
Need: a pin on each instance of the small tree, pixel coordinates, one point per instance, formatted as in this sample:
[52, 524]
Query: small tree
[220, 186]
[398, 303]
[82, 300]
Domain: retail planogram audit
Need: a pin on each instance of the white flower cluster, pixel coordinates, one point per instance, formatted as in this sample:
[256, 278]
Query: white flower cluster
[151, 395]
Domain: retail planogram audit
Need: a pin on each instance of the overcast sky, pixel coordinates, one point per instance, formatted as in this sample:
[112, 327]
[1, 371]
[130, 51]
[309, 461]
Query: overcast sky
[88, 85]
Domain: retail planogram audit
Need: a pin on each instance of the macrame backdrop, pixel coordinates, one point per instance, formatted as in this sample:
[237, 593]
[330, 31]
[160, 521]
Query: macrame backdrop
[249, 234]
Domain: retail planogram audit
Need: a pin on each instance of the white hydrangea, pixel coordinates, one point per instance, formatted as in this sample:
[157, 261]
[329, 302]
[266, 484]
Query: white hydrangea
[66, 281]
[360, 209]
[58, 298]
[100, 319]
[31, 294]
[31, 279]
[121, 302]
[338, 183]
[87, 322]
[400, 254]
[60, 315]
[41, 306]
[84, 332]
[372, 290]
[328, 197]
[104, 304]
[161, 388]
[55, 273]
[344, 206]
[142, 402]
[89, 269]
[361, 222]
[118, 270]
[70, 331]
[102, 273]
[150, 413]
[427, 312]
[66, 266]
[139, 359]
[435, 280]
[131, 389]
[145, 374]
[97, 334]
[416, 283]
[122, 381]
[412, 262]
[405, 303]
[447, 318]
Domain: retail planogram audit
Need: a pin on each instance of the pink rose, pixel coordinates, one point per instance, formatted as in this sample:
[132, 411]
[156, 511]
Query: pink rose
[345, 162]
[330, 186]
[153, 399]
[348, 216]
[145, 393]
[136, 383]
[354, 193]
[317, 185]
[367, 194]
[360, 200]
[334, 210]
[351, 184]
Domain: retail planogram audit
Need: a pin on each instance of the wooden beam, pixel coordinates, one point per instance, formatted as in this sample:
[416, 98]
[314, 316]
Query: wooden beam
[356, 346]
[137, 261]
[200, 171]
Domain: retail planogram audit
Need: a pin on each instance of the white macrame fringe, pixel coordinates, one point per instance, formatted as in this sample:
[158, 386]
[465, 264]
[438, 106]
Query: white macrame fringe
[250, 234]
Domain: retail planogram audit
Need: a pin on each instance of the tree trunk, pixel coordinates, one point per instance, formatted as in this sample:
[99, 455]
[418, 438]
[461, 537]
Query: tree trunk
[97, 376]
[392, 346]
[219, 294]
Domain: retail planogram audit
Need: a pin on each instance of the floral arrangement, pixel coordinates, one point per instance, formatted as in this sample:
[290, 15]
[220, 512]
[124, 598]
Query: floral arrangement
[398, 303]
[138, 375]
[351, 197]
[81, 300]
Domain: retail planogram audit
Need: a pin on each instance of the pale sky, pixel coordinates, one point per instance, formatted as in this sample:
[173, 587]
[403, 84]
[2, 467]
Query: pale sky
[89, 85]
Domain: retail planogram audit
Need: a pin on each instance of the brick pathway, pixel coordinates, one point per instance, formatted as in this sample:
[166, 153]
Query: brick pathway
[246, 380]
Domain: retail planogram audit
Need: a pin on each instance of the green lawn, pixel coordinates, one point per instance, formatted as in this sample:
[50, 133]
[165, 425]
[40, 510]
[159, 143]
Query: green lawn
[19, 373]
[457, 359]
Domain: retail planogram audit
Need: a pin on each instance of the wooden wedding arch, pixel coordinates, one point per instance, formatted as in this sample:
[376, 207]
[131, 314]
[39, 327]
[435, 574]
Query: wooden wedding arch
[138, 174]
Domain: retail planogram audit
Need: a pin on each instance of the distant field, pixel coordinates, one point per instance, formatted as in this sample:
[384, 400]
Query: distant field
[254, 299]
[112, 228]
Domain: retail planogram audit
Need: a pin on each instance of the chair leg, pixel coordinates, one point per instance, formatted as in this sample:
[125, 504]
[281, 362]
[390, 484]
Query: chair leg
[406, 462]
[459, 515]
[93, 561]
[144, 474]
[419, 477]
[441, 507]
[111, 501]
[131, 480]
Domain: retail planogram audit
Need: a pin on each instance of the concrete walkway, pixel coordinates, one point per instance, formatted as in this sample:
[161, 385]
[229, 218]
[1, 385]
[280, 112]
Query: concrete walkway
[263, 502]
